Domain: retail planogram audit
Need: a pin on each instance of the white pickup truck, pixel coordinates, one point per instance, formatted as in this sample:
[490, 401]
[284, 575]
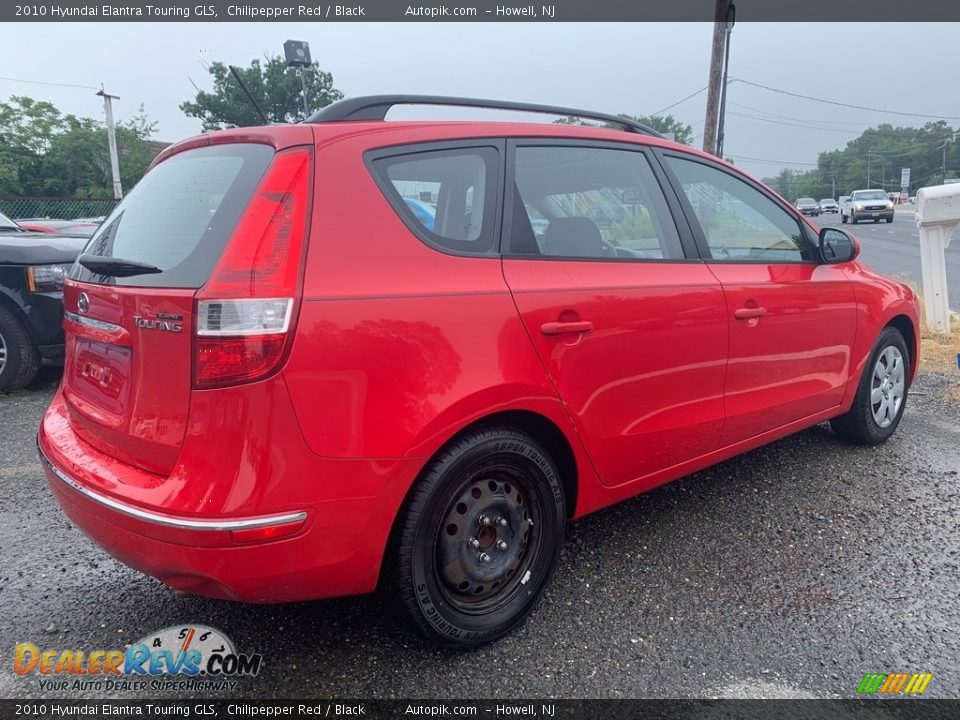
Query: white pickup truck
[866, 205]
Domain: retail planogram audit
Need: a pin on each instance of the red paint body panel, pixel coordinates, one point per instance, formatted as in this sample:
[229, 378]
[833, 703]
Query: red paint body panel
[794, 360]
[641, 396]
[397, 347]
[129, 391]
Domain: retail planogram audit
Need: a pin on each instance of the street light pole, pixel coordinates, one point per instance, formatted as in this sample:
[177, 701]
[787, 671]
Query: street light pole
[112, 142]
[943, 166]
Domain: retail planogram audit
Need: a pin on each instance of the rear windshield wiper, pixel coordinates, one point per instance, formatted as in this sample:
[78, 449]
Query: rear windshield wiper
[116, 267]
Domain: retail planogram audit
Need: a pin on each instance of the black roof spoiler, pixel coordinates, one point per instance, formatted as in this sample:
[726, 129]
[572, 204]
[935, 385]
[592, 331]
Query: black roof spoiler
[376, 107]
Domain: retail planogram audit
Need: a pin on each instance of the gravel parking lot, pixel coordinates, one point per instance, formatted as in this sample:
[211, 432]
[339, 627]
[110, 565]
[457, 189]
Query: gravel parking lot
[790, 571]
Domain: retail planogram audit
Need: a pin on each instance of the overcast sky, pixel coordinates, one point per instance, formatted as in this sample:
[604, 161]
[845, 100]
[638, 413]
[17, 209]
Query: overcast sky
[625, 67]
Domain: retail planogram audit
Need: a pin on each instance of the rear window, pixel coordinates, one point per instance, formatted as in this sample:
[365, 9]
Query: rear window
[180, 216]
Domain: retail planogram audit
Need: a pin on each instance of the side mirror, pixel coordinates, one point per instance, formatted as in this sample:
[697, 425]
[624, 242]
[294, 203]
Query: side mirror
[838, 246]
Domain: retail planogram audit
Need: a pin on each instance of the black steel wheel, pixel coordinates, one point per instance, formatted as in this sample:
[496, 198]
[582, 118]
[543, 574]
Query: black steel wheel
[479, 538]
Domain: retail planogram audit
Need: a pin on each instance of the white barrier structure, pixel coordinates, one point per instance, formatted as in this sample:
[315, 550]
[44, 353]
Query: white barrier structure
[938, 214]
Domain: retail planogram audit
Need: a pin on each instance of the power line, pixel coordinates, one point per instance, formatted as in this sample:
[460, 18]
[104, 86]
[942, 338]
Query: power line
[795, 119]
[909, 151]
[683, 100]
[841, 104]
[41, 82]
[771, 162]
[783, 122]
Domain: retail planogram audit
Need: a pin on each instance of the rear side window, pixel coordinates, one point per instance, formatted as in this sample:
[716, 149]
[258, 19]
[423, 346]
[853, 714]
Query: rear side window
[180, 215]
[446, 197]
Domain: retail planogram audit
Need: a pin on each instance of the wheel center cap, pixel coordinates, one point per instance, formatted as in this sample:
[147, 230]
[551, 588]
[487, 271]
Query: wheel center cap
[486, 537]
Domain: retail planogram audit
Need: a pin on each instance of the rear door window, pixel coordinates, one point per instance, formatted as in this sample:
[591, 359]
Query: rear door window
[592, 203]
[180, 215]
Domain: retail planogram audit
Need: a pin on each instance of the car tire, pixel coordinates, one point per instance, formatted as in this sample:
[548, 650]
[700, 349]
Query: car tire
[479, 538]
[19, 360]
[881, 395]
[853, 220]
[843, 218]
[889, 219]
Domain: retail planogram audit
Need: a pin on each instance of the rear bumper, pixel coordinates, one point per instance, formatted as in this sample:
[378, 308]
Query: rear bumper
[323, 548]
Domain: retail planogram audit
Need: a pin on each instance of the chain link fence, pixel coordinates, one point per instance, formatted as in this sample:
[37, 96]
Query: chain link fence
[56, 208]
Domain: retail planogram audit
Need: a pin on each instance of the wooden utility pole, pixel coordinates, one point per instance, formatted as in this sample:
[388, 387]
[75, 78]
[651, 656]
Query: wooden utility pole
[714, 87]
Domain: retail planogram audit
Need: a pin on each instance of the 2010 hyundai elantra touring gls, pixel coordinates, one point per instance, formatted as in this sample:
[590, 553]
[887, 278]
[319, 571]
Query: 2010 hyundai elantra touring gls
[283, 383]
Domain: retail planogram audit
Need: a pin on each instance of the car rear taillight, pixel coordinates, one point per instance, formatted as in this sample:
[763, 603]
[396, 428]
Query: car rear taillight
[245, 310]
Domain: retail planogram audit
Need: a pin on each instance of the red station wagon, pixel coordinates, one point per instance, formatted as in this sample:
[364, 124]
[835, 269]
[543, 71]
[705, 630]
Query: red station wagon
[282, 384]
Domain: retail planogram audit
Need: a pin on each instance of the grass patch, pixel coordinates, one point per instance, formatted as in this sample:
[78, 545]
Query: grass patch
[938, 354]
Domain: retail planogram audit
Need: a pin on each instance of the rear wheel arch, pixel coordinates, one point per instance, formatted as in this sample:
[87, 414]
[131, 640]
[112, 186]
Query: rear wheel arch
[553, 439]
[538, 426]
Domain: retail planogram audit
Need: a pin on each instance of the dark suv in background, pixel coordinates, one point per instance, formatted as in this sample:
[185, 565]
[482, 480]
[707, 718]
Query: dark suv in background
[32, 268]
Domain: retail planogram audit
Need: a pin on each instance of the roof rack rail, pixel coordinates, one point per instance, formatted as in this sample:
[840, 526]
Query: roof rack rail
[376, 107]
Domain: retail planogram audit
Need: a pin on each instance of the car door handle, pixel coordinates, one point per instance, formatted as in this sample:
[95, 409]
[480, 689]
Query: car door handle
[748, 313]
[560, 328]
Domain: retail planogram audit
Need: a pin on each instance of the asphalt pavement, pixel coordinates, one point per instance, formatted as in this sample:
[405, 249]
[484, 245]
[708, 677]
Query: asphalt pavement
[790, 571]
[894, 249]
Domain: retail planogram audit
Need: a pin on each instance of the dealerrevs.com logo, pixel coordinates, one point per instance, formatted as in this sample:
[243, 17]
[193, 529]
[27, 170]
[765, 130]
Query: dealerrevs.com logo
[190, 657]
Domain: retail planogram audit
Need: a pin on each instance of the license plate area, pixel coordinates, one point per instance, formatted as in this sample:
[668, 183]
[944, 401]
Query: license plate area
[100, 379]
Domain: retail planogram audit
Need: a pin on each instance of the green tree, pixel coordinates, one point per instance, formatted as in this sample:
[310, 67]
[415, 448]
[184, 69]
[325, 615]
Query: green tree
[44, 152]
[27, 128]
[661, 123]
[78, 161]
[875, 159]
[275, 86]
[665, 124]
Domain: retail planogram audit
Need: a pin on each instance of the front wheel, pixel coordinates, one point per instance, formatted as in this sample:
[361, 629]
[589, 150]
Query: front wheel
[479, 538]
[843, 218]
[890, 219]
[881, 395]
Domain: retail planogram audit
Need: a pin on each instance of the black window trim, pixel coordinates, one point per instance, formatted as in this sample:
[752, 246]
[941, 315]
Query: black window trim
[675, 214]
[405, 214]
[703, 246]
